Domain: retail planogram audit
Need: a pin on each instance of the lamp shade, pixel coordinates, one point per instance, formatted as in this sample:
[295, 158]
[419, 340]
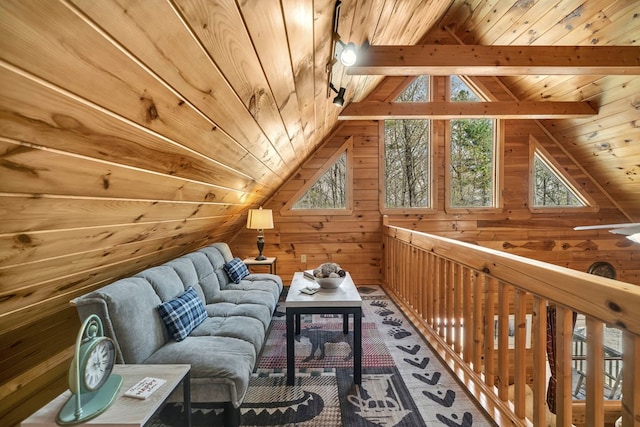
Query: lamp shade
[259, 219]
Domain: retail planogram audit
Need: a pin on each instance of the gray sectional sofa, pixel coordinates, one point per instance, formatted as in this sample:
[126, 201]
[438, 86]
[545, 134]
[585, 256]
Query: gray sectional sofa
[222, 349]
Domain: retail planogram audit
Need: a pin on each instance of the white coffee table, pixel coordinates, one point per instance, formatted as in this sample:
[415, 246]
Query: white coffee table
[344, 300]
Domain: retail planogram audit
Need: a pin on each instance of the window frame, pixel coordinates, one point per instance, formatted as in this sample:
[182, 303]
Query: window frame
[497, 159]
[536, 148]
[346, 147]
[432, 208]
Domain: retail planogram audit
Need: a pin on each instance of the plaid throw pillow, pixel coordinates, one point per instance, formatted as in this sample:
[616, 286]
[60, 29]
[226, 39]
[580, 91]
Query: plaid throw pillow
[236, 269]
[182, 314]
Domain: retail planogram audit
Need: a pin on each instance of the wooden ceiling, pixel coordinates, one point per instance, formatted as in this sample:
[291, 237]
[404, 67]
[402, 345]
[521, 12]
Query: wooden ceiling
[235, 92]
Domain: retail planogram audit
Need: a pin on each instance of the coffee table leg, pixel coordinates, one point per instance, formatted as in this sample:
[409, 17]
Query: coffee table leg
[297, 332]
[357, 347]
[345, 323]
[290, 348]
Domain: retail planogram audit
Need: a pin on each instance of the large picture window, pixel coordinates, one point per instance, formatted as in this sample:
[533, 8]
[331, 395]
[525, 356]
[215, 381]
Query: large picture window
[472, 155]
[407, 155]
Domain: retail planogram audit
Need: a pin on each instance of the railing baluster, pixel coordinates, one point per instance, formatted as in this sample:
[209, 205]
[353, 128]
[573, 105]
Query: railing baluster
[564, 335]
[520, 369]
[430, 286]
[631, 380]
[489, 310]
[458, 307]
[442, 297]
[467, 326]
[478, 303]
[449, 284]
[422, 272]
[539, 346]
[436, 295]
[503, 340]
[595, 373]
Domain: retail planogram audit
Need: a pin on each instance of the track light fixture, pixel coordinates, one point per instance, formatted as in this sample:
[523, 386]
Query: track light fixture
[349, 54]
[339, 99]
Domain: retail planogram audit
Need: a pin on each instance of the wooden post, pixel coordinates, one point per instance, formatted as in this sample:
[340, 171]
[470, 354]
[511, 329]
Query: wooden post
[539, 346]
[520, 368]
[564, 335]
[631, 381]
[595, 373]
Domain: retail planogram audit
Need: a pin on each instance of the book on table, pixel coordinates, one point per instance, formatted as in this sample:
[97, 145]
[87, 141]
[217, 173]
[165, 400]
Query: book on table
[145, 387]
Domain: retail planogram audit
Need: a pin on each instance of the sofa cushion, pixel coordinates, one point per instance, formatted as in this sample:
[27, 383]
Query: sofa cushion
[236, 269]
[243, 328]
[226, 363]
[224, 250]
[229, 309]
[185, 269]
[217, 262]
[239, 297]
[207, 278]
[182, 314]
[165, 281]
[251, 283]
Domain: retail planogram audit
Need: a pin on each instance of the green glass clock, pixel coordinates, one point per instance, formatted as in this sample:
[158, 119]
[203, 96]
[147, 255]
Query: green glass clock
[93, 386]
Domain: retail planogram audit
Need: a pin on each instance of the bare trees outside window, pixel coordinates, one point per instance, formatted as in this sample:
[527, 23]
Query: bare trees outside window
[549, 189]
[330, 190]
[407, 154]
[471, 161]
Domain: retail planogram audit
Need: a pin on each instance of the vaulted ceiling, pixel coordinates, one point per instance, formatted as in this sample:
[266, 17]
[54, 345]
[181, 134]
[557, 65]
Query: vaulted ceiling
[239, 88]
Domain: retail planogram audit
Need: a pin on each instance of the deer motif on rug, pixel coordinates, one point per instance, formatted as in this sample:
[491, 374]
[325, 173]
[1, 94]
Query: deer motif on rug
[319, 338]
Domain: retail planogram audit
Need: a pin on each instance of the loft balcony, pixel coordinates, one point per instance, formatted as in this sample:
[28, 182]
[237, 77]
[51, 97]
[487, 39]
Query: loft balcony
[504, 322]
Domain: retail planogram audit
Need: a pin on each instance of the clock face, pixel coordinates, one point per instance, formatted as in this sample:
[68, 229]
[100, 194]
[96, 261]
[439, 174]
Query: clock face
[98, 364]
[603, 269]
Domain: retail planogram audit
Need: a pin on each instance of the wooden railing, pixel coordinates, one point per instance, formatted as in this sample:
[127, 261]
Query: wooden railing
[485, 312]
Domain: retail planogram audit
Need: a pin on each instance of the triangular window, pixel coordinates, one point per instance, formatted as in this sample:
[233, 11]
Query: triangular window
[330, 189]
[550, 189]
[324, 188]
[461, 92]
[417, 91]
[551, 186]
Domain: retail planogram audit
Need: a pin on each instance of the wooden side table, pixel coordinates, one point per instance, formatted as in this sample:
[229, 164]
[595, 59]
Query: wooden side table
[126, 411]
[270, 261]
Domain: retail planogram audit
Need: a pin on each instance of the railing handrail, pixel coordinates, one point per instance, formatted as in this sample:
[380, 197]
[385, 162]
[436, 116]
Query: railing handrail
[610, 301]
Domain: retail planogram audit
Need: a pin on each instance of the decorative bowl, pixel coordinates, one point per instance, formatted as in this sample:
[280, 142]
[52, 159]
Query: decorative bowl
[329, 282]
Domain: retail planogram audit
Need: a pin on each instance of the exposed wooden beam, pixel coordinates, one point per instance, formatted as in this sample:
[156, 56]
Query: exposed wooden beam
[439, 60]
[371, 110]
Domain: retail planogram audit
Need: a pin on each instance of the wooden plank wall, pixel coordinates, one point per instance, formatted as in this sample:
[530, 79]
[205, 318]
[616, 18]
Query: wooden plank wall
[106, 169]
[353, 241]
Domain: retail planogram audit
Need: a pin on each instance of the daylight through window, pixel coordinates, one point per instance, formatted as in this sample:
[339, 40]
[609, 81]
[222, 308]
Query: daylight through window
[549, 189]
[472, 155]
[407, 154]
[330, 190]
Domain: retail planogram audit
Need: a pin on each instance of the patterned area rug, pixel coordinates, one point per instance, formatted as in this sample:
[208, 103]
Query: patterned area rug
[403, 382]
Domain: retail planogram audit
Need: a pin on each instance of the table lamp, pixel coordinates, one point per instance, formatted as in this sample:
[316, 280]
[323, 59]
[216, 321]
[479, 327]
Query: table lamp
[259, 219]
